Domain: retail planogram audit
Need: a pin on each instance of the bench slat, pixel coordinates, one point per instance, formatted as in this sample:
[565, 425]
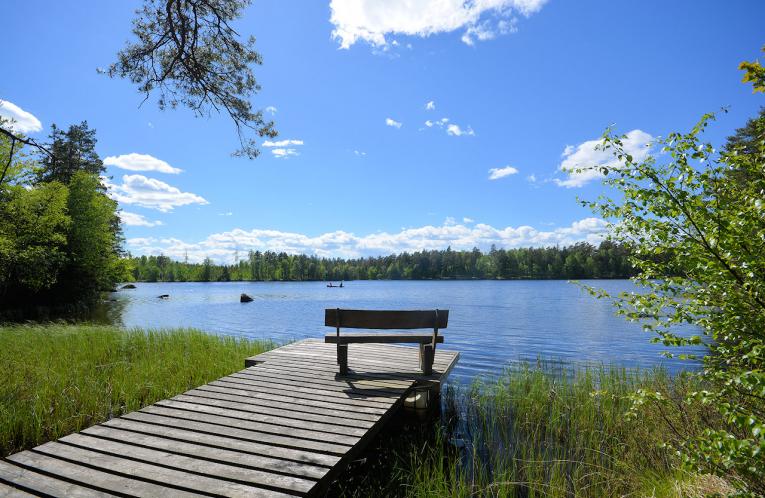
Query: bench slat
[382, 338]
[382, 319]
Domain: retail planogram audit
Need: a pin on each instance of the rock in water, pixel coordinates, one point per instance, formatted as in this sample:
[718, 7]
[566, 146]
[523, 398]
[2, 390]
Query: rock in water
[244, 298]
[128, 286]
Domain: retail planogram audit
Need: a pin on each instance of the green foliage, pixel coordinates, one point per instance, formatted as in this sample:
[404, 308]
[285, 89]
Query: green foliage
[534, 433]
[15, 165]
[92, 245]
[33, 227]
[578, 261]
[71, 151]
[747, 139]
[696, 218]
[188, 52]
[58, 379]
[59, 233]
[754, 73]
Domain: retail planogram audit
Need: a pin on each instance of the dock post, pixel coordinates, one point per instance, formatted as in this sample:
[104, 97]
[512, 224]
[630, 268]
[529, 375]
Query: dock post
[342, 358]
[426, 359]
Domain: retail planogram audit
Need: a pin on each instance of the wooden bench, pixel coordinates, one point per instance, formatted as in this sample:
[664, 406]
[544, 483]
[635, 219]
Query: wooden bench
[386, 320]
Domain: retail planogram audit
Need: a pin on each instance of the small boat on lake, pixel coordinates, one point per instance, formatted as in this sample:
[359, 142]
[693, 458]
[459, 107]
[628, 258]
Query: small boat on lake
[335, 286]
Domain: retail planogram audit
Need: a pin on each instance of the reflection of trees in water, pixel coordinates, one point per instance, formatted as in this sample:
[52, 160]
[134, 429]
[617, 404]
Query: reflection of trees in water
[107, 311]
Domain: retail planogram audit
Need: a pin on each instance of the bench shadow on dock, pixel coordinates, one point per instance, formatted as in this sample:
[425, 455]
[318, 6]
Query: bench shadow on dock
[286, 425]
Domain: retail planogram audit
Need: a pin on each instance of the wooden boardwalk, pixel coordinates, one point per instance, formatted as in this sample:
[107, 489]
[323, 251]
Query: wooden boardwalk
[286, 425]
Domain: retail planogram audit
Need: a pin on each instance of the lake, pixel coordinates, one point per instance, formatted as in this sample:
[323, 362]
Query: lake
[494, 324]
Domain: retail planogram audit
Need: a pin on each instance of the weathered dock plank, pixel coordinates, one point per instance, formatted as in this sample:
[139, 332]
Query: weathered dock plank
[227, 441]
[206, 452]
[9, 492]
[245, 397]
[36, 482]
[349, 408]
[241, 429]
[283, 426]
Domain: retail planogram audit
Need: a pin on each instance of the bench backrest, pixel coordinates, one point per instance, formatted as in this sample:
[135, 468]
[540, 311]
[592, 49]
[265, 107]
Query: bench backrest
[382, 319]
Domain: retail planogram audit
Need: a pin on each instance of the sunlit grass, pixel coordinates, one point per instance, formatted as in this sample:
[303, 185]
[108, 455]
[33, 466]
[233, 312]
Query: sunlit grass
[58, 379]
[533, 434]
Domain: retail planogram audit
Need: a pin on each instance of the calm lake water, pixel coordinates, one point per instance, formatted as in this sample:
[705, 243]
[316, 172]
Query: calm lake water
[494, 324]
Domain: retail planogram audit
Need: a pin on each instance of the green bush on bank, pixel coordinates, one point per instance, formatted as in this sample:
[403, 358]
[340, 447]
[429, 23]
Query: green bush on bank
[58, 379]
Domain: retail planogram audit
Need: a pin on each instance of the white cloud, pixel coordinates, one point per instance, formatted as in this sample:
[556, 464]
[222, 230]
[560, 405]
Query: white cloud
[532, 178]
[271, 110]
[372, 20]
[282, 143]
[150, 193]
[393, 123]
[587, 157]
[486, 31]
[497, 173]
[137, 220]
[478, 32]
[23, 121]
[455, 131]
[222, 246]
[140, 241]
[452, 129]
[228, 213]
[359, 153]
[283, 148]
[284, 152]
[430, 106]
[468, 220]
[141, 162]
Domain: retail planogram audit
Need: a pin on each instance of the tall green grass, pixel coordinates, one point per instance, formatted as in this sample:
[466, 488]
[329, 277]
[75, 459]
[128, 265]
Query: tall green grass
[58, 379]
[533, 434]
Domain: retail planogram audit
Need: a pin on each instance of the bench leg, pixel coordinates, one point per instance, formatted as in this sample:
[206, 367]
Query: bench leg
[342, 358]
[426, 358]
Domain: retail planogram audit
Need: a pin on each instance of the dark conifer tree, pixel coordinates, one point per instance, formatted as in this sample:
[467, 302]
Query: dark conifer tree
[71, 151]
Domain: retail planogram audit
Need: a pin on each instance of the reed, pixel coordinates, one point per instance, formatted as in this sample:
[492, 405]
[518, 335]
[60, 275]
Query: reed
[57, 379]
[531, 433]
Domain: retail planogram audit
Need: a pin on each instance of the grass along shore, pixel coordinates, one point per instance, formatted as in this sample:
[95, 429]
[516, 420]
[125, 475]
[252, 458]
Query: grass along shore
[528, 433]
[531, 433]
[58, 378]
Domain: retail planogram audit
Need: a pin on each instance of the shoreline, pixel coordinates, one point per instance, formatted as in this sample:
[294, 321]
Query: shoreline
[443, 279]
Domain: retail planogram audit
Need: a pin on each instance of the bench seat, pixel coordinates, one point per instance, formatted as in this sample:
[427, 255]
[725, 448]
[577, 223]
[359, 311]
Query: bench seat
[386, 320]
[382, 338]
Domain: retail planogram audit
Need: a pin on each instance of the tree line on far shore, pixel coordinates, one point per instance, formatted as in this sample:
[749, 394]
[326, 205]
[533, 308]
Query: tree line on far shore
[578, 261]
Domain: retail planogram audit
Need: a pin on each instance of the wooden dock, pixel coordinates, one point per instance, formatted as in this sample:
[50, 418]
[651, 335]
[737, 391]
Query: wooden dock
[286, 425]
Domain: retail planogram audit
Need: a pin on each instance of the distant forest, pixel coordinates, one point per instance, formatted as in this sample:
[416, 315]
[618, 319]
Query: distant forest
[578, 261]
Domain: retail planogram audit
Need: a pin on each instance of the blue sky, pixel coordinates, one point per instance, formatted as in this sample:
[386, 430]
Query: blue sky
[519, 89]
